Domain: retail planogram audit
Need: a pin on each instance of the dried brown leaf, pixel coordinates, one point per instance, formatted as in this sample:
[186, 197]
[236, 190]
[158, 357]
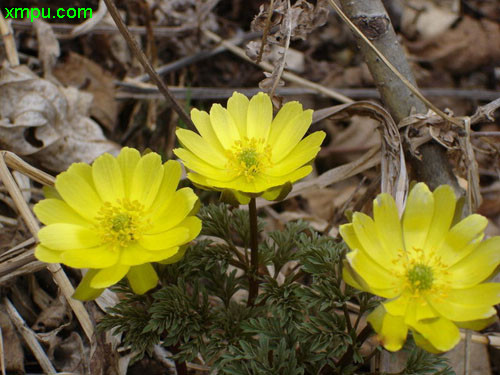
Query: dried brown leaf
[12, 347]
[463, 49]
[80, 72]
[304, 18]
[47, 122]
[48, 46]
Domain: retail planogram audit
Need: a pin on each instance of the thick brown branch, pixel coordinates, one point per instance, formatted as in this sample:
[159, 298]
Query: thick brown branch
[372, 19]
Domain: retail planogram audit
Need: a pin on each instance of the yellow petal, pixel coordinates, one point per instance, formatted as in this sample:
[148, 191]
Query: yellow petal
[200, 181]
[84, 292]
[418, 309]
[482, 294]
[180, 206]
[50, 192]
[165, 240]
[78, 194]
[470, 304]
[423, 343]
[193, 225]
[462, 239]
[376, 318]
[147, 179]
[349, 236]
[237, 106]
[134, 254]
[108, 276]
[52, 211]
[388, 225]
[285, 115]
[128, 159]
[375, 275]
[261, 182]
[142, 278]
[224, 127]
[164, 256]
[304, 152]
[175, 257]
[478, 325]
[391, 330]
[94, 257]
[62, 236]
[47, 255]
[291, 135]
[201, 120]
[108, 179]
[417, 216]
[195, 164]
[460, 312]
[352, 279]
[259, 116]
[368, 236]
[441, 333]
[444, 211]
[356, 281]
[398, 306]
[477, 266]
[201, 148]
[83, 170]
[171, 176]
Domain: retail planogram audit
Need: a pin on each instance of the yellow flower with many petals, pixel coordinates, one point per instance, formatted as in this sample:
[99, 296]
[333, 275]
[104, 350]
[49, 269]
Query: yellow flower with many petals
[115, 217]
[243, 149]
[430, 271]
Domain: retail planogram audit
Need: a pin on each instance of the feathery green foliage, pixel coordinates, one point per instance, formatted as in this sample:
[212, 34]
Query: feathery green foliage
[300, 324]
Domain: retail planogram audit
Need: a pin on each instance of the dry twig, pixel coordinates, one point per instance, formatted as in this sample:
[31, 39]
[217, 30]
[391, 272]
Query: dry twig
[113, 11]
[57, 272]
[29, 337]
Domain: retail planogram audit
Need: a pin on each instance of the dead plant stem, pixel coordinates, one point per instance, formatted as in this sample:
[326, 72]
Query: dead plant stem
[113, 11]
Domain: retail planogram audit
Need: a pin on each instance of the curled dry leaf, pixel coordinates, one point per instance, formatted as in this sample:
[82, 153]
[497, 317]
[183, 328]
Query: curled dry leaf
[47, 122]
[428, 18]
[54, 316]
[78, 71]
[470, 45]
[69, 354]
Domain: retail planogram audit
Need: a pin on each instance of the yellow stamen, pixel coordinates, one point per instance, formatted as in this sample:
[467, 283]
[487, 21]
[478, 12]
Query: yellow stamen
[248, 157]
[122, 223]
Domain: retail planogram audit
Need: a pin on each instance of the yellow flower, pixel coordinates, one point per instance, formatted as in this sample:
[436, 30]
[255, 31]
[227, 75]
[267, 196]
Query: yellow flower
[243, 149]
[115, 217]
[430, 271]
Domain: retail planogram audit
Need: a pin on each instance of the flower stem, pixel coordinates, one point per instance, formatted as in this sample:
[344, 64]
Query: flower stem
[253, 289]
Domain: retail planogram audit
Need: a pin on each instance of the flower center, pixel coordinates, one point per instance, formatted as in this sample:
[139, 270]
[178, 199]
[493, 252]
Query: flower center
[122, 223]
[423, 272]
[420, 277]
[248, 157]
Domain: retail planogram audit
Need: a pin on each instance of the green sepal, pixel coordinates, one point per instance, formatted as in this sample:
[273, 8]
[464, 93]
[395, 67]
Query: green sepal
[278, 193]
[142, 278]
[84, 292]
[176, 257]
[233, 197]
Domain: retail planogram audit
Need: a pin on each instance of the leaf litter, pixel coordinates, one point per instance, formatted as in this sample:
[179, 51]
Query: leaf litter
[59, 106]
